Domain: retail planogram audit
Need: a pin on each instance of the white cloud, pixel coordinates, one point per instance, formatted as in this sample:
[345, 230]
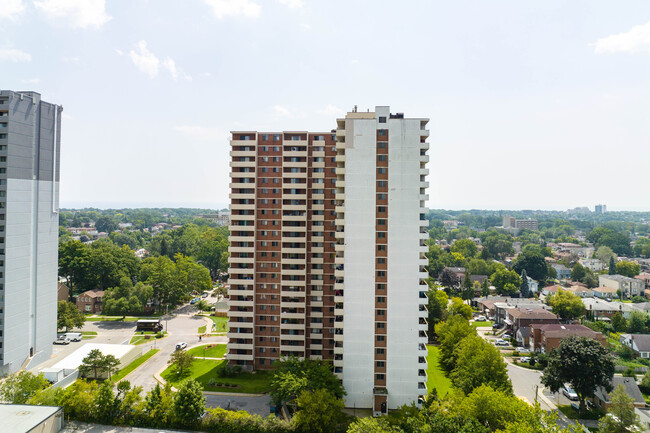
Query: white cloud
[282, 111]
[170, 65]
[332, 110]
[292, 3]
[79, 13]
[223, 8]
[31, 81]
[144, 59]
[14, 55]
[634, 41]
[202, 132]
[119, 52]
[10, 9]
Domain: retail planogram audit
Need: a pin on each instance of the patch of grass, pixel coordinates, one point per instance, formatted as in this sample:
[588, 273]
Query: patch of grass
[207, 373]
[135, 364]
[221, 323]
[117, 318]
[435, 376]
[631, 363]
[89, 333]
[202, 329]
[214, 351]
[140, 338]
[486, 324]
[527, 365]
[571, 413]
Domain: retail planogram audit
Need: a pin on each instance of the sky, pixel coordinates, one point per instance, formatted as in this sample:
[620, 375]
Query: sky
[532, 105]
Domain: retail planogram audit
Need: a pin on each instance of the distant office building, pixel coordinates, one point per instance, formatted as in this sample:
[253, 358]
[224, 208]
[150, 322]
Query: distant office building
[30, 131]
[519, 224]
[600, 208]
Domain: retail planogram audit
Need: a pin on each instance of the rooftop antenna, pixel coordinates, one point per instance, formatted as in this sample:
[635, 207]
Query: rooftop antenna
[355, 109]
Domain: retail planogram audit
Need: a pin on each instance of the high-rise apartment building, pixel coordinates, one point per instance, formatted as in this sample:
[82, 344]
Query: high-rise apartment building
[380, 338]
[281, 247]
[30, 131]
[600, 208]
[327, 253]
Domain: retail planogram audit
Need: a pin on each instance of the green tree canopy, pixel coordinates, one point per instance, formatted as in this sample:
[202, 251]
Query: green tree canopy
[18, 388]
[628, 269]
[450, 333]
[566, 305]
[68, 316]
[292, 376]
[189, 403]
[479, 363]
[533, 263]
[465, 247]
[502, 277]
[624, 417]
[581, 362]
[320, 411]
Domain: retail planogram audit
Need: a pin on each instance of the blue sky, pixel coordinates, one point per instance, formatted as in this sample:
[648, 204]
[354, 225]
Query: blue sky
[533, 105]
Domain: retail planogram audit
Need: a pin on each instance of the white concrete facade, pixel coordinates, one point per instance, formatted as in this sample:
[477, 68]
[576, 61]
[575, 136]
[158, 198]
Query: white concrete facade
[372, 372]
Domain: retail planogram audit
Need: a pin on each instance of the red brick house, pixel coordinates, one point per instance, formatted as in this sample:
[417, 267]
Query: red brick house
[547, 337]
[90, 302]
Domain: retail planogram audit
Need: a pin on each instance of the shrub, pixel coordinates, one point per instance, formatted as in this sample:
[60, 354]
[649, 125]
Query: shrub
[630, 372]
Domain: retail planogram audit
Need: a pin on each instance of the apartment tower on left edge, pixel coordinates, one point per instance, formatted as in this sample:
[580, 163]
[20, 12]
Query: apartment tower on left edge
[30, 134]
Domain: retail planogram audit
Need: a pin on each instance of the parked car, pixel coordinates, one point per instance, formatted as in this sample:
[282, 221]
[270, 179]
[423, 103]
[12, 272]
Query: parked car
[501, 342]
[506, 336]
[193, 301]
[74, 336]
[204, 295]
[480, 319]
[569, 393]
[180, 346]
[523, 350]
[62, 339]
[497, 326]
[524, 359]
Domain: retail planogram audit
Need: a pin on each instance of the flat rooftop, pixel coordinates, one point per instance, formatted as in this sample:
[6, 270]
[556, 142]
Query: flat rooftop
[22, 418]
[75, 359]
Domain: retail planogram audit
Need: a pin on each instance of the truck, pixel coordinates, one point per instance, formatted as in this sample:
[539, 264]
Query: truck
[74, 336]
[153, 325]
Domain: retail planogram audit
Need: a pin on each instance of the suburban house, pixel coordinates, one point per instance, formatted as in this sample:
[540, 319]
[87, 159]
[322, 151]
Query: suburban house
[598, 309]
[63, 292]
[519, 317]
[501, 309]
[628, 286]
[646, 280]
[547, 336]
[563, 273]
[603, 400]
[605, 293]
[640, 343]
[550, 290]
[583, 292]
[90, 301]
[594, 265]
[459, 272]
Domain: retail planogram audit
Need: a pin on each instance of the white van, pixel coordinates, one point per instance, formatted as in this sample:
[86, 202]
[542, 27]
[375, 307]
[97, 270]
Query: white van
[74, 336]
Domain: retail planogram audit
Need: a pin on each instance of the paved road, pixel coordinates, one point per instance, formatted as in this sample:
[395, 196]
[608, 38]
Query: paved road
[253, 405]
[525, 383]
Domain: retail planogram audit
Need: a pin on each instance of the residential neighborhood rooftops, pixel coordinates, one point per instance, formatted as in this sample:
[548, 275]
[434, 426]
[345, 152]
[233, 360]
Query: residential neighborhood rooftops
[631, 389]
[94, 293]
[642, 341]
[531, 313]
[558, 330]
[619, 278]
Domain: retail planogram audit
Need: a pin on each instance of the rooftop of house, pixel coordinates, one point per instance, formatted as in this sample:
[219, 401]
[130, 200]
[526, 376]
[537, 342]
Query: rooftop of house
[93, 293]
[558, 330]
[619, 278]
[576, 289]
[531, 313]
[605, 290]
[561, 268]
[631, 388]
[553, 288]
[642, 341]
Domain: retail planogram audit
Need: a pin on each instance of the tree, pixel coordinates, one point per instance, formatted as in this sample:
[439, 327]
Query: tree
[612, 266]
[629, 269]
[480, 267]
[372, 425]
[437, 308]
[581, 362]
[20, 387]
[466, 247]
[524, 290]
[68, 316]
[202, 305]
[578, 272]
[458, 308]
[468, 289]
[450, 333]
[624, 417]
[98, 363]
[502, 277]
[566, 305]
[106, 224]
[189, 403]
[448, 278]
[182, 360]
[479, 363]
[292, 376]
[485, 288]
[105, 403]
[604, 254]
[533, 263]
[636, 322]
[320, 412]
[619, 323]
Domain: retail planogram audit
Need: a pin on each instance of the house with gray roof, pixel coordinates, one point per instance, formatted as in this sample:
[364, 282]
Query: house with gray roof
[640, 343]
[602, 398]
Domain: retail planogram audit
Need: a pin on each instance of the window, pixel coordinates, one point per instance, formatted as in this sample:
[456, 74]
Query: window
[381, 273]
[382, 144]
[382, 157]
[382, 183]
[381, 247]
[381, 338]
[381, 325]
[381, 209]
[381, 235]
[382, 119]
[381, 351]
[381, 196]
[382, 132]
[380, 376]
[382, 170]
[381, 260]
[266, 136]
[276, 137]
[381, 222]
[381, 364]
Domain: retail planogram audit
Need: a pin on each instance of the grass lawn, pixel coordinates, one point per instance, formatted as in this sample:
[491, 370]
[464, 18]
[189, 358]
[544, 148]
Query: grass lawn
[135, 364]
[632, 363]
[117, 318]
[87, 335]
[215, 351]
[435, 376]
[221, 323]
[202, 329]
[571, 413]
[486, 324]
[206, 372]
[140, 338]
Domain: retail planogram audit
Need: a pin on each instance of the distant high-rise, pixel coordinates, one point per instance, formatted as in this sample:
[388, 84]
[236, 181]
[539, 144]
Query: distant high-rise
[327, 253]
[30, 131]
[600, 208]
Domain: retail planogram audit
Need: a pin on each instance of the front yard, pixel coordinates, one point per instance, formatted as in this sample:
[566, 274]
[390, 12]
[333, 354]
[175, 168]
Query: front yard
[212, 376]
